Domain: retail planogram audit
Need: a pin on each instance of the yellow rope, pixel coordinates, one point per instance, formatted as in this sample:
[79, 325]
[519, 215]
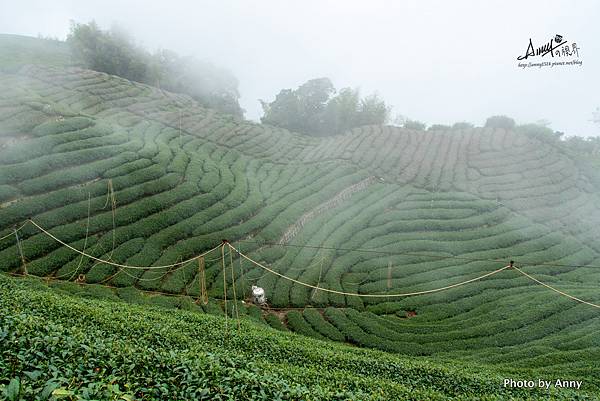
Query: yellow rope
[87, 231]
[49, 279]
[257, 279]
[7, 236]
[305, 268]
[110, 195]
[13, 232]
[118, 264]
[555, 289]
[352, 294]
[222, 246]
[124, 271]
[312, 297]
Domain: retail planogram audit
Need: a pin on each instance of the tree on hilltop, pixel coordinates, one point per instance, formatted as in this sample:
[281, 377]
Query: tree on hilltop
[315, 108]
[500, 121]
[462, 125]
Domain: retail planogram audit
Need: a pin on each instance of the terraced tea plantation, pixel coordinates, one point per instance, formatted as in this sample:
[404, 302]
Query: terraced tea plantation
[98, 349]
[142, 177]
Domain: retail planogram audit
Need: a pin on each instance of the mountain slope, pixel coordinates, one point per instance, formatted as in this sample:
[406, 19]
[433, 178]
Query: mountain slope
[439, 207]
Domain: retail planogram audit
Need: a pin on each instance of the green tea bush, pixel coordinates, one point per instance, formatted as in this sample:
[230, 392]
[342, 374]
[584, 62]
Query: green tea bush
[132, 295]
[255, 312]
[296, 322]
[472, 193]
[213, 308]
[74, 175]
[65, 125]
[273, 321]
[322, 326]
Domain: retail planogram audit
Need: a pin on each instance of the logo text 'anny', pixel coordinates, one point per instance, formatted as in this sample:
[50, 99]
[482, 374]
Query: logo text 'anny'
[556, 47]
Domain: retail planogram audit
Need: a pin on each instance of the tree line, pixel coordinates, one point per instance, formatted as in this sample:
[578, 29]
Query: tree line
[316, 108]
[115, 52]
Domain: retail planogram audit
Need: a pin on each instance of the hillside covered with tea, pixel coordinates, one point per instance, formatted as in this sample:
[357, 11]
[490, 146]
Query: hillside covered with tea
[142, 177]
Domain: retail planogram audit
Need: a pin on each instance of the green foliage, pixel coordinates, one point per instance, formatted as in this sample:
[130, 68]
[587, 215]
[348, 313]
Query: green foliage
[255, 312]
[114, 52]
[299, 110]
[95, 349]
[414, 125]
[110, 52]
[439, 127]
[16, 51]
[213, 308]
[539, 132]
[296, 322]
[212, 86]
[7, 192]
[462, 125]
[186, 178]
[313, 109]
[273, 321]
[503, 122]
[63, 125]
[131, 295]
[322, 326]
[347, 110]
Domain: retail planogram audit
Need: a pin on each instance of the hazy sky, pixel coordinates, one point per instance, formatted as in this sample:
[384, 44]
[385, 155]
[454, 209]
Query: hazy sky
[434, 61]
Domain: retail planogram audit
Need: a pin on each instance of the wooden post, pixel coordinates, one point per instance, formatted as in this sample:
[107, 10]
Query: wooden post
[202, 281]
[389, 276]
[24, 263]
[235, 304]
[242, 278]
[224, 286]
[312, 297]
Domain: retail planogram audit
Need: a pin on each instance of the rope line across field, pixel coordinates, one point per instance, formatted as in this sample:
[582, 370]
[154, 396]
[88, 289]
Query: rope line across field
[353, 294]
[182, 263]
[232, 249]
[556, 290]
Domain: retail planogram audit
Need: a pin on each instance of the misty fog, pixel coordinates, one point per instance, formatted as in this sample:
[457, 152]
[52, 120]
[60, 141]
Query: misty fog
[437, 62]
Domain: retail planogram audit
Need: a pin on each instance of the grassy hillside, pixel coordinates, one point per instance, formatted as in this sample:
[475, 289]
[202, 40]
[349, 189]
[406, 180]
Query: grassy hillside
[98, 349]
[432, 209]
[16, 50]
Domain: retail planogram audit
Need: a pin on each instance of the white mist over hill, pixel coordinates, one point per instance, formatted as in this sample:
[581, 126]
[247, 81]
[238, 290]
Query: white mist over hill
[438, 62]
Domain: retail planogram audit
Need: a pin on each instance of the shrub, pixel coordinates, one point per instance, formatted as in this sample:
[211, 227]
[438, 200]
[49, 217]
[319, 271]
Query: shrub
[297, 323]
[7, 192]
[274, 322]
[325, 328]
[503, 122]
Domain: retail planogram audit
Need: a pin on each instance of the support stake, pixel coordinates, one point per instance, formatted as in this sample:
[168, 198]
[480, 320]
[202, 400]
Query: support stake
[235, 304]
[24, 263]
[202, 281]
[224, 286]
